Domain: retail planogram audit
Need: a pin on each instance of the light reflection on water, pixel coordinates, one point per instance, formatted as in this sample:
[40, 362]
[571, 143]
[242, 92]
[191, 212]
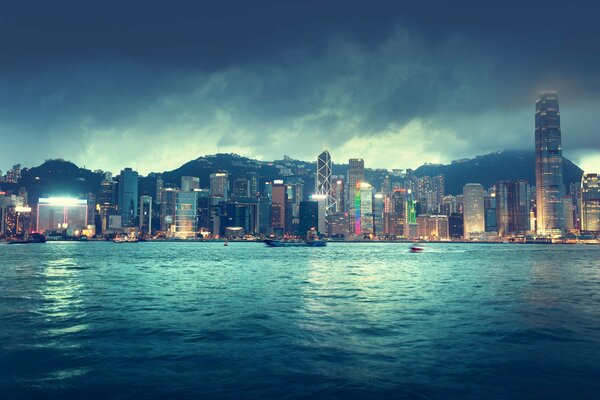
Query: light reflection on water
[349, 320]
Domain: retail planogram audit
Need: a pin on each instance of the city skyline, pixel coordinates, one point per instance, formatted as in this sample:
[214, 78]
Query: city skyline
[382, 83]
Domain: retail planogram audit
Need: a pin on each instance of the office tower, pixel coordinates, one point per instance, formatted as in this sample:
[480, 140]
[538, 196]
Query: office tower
[378, 208]
[503, 197]
[448, 205]
[363, 222]
[438, 191]
[297, 196]
[278, 202]
[321, 200]
[386, 185]
[159, 187]
[590, 203]
[356, 175]
[521, 205]
[241, 215]
[107, 201]
[203, 222]
[489, 207]
[268, 191]
[168, 201]
[252, 183]
[185, 214]
[548, 165]
[397, 214]
[264, 217]
[323, 181]
[128, 197]
[338, 195]
[189, 183]
[474, 211]
[241, 187]
[455, 226]
[337, 225]
[309, 216]
[145, 215]
[568, 216]
[219, 186]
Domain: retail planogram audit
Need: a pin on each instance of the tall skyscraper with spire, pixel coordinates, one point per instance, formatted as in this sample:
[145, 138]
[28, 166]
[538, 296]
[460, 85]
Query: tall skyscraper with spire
[548, 165]
[323, 182]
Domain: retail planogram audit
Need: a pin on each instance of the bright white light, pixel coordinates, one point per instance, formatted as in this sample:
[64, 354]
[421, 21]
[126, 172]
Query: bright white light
[22, 209]
[62, 201]
[278, 182]
[379, 196]
[318, 196]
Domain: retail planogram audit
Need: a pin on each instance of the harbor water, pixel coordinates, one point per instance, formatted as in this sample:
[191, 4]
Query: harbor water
[350, 320]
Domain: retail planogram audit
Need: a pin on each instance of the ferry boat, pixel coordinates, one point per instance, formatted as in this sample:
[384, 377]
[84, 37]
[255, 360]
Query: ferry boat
[27, 239]
[125, 239]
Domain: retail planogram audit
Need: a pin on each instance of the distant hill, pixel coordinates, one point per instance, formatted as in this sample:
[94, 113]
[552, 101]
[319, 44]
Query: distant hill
[491, 168]
[58, 178]
[63, 178]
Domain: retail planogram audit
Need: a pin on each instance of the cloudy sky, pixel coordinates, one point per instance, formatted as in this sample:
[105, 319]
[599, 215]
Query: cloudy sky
[152, 85]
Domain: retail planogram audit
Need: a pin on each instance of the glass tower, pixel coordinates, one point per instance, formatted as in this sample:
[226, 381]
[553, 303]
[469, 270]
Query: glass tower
[548, 165]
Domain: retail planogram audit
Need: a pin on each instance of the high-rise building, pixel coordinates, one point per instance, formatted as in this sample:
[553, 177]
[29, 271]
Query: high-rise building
[521, 206]
[338, 195]
[503, 198]
[107, 202]
[278, 202]
[378, 208]
[252, 183]
[145, 214]
[590, 203]
[548, 165]
[219, 186]
[185, 214]
[474, 211]
[241, 187]
[356, 175]
[364, 210]
[309, 216]
[168, 204]
[128, 197]
[189, 183]
[321, 200]
[323, 181]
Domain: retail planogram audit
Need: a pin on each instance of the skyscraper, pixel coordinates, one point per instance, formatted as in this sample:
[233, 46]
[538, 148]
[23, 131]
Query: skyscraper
[145, 214]
[503, 208]
[590, 203]
[128, 197]
[474, 211]
[323, 181]
[548, 165]
[356, 175]
[278, 200]
[219, 185]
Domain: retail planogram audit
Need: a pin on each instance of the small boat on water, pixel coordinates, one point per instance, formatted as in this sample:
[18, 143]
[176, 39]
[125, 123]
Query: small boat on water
[416, 248]
[34, 238]
[285, 243]
[125, 239]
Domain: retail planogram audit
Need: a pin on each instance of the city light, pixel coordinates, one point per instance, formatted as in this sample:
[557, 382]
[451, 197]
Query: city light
[62, 201]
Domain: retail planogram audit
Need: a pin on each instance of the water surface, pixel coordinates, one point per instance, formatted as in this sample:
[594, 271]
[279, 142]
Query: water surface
[192, 320]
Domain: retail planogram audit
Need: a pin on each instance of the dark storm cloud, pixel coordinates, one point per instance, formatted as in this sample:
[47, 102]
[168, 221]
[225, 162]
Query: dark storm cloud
[123, 83]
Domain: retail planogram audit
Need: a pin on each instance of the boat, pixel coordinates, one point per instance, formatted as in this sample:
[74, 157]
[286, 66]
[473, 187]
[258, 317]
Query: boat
[34, 238]
[416, 249]
[286, 243]
[125, 239]
[226, 244]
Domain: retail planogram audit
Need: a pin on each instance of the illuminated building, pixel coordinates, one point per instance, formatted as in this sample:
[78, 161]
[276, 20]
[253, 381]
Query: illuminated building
[278, 202]
[321, 200]
[203, 210]
[185, 215]
[219, 186]
[145, 214]
[356, 175]
[548, 165]
[61, 213]
[378, 207]
[107, 199]
[189, 183]
[474, 210]
[397, 214]
[448, 205]
[241, 213]
[433, 227]
[338, 195]
[521, 205]
[503, 207]
[323, 181]
[168, 201]
[253, 183]
[590, 203]
[128, 197]
[363, 221]
[455, 226]
[337, 225]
